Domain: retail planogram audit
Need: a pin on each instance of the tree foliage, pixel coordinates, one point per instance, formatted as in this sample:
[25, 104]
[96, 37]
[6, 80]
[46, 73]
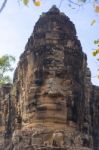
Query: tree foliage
[25, 2]
[96, 52]
[5, 66]
[79, 3]
[36, 2]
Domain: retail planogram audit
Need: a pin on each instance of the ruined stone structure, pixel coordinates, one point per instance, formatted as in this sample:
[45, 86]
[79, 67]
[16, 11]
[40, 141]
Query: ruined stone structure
[52, 103]
[6, 111]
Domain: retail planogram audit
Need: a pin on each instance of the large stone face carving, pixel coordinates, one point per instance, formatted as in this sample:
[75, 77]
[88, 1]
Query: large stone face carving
[49, 71]
[52, 93]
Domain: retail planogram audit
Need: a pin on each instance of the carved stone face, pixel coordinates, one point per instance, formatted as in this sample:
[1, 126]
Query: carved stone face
[54, 66]
[50, 88]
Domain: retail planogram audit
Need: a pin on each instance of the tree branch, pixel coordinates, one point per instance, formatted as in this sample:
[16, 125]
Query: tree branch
[74, 3]
[60, 3]
[3, 5]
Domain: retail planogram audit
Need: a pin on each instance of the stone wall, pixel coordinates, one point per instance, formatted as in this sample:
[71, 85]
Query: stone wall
[5, 112]
[95, 117]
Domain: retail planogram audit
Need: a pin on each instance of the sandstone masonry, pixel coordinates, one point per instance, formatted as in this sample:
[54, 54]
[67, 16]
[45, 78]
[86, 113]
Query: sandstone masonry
[52, 104]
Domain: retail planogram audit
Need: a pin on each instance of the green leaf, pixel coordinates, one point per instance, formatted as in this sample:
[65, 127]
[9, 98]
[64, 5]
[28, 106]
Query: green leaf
[97, 51]
[96, 41]
[94, 53]
[25, 2]
[93, 22]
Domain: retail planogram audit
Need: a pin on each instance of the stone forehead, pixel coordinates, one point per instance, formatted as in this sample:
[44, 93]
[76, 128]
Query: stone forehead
[55, 16]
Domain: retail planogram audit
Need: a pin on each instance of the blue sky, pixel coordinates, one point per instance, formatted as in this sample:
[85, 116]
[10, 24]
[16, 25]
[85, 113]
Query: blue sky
[17, 22]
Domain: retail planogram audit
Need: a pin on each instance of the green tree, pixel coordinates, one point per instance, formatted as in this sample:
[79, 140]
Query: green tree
[6, 66]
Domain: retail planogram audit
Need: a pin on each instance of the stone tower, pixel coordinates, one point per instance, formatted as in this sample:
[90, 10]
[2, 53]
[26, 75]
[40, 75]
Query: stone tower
[48, 84]
[52, 90]
[50, 71]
